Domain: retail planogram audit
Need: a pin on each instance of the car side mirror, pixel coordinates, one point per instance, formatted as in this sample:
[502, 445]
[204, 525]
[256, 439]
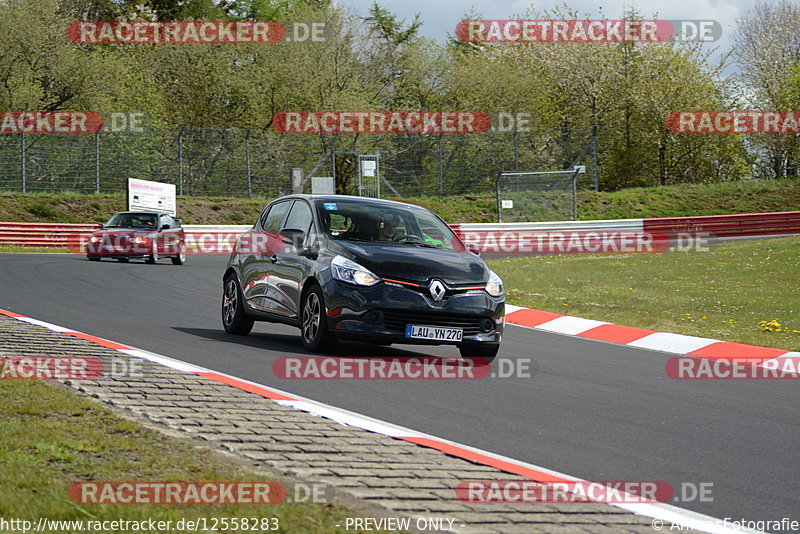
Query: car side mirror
[179, 222]
[475, 249]
[293, 236]
[165, 227]
[101, 225]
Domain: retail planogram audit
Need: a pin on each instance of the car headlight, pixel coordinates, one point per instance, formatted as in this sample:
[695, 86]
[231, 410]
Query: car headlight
[351, 272]
[495, 285]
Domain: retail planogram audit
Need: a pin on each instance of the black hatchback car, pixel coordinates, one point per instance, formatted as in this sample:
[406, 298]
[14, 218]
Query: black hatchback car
[343, 267]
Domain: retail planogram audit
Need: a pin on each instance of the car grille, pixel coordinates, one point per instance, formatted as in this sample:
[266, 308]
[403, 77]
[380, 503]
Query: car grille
[397, 321]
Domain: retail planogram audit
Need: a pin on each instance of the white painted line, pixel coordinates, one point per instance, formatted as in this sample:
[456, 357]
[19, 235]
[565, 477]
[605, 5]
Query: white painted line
[675, 343]
[348, 418]
[570, 325]
[164, 360]
[510, 308]
[49, 326]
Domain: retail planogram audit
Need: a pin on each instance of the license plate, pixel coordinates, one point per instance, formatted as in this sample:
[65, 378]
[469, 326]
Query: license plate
[434, 332]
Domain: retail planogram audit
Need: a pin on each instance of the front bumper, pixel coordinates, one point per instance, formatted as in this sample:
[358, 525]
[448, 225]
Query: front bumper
[380, 313]
[125, 248]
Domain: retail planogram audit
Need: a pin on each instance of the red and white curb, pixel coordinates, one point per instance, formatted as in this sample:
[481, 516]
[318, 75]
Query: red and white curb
[698, 347]
[667, 513]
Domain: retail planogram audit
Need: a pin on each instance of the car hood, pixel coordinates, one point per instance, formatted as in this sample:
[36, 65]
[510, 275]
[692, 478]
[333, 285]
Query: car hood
[416, 264]
[115, 231]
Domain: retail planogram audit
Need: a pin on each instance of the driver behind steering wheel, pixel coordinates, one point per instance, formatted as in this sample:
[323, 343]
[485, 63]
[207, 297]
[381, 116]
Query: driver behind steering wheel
[387, 227]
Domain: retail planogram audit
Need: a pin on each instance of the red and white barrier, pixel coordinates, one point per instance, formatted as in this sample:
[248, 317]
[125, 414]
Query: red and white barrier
[560, 237]
[624, 235]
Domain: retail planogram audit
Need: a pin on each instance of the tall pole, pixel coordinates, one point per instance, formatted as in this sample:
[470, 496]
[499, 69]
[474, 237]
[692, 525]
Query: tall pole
[180, 161]
[247, 164]
[97, 162]
[575, 196]
[497, 193]
[594, 156]
[24, 185]
[333, 158]
[441, 168]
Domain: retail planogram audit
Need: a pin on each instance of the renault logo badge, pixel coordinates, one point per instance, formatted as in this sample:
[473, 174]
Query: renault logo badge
[437, 290]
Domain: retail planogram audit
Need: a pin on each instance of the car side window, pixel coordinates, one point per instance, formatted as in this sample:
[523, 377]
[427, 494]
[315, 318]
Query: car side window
[273, 219]
[300, 217]
[263, 218]
[165, 219]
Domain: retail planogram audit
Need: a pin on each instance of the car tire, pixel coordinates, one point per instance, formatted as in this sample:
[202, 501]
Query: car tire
[234, 319]
[153, 257]
[93, 258]
[180, 259]
[313, 322]
[487, 353]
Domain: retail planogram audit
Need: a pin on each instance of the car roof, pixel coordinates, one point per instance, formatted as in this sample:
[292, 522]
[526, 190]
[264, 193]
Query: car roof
[334, 198]
[142, 213]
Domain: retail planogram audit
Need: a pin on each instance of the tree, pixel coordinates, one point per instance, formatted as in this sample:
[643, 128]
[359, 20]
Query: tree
[769, 54]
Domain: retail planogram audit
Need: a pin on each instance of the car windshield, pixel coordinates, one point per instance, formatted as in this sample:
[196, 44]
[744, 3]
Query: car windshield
[132, 220]
[401, 224]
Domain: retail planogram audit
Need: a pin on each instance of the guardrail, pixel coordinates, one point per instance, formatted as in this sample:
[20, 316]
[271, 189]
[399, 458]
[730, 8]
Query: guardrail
[516, 238]
[624, 235]
[745, 225]
[67, 235]
[43, 234]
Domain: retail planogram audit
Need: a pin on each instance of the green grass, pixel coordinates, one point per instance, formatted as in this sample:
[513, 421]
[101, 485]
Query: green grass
[723, 293]
[667, 201]
[692, 199]
[641, 202]
[17, 249]
[51, 439]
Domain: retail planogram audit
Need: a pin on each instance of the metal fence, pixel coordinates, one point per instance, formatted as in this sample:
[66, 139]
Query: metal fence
[538, 196]
[242, 162]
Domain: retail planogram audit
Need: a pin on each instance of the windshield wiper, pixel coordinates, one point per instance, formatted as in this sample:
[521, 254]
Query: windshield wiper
[351, 238]
[419, 244]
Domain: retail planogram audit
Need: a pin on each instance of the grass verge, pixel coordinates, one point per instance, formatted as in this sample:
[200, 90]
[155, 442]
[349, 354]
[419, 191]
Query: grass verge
[30, 250]
[667, 201]
[724, 293]
[51, 439]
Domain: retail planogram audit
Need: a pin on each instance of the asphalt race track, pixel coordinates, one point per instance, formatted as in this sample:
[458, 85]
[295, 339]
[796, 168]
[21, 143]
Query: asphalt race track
[590, 409]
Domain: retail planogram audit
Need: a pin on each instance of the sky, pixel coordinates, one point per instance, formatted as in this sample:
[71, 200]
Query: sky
[440, 16]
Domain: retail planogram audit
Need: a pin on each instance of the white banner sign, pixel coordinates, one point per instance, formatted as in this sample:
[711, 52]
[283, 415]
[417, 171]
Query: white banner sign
[144, 195]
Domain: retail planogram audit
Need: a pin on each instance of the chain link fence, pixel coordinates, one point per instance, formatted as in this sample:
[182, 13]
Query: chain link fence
[241, 162]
